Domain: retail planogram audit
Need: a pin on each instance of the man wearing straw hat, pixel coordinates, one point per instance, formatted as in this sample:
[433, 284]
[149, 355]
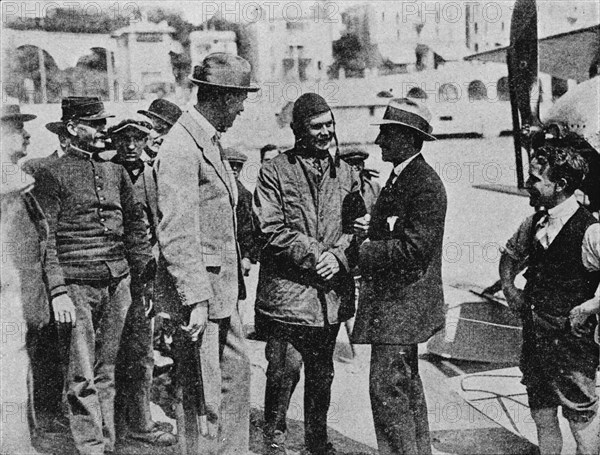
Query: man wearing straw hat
[197, 197]
[401, 301]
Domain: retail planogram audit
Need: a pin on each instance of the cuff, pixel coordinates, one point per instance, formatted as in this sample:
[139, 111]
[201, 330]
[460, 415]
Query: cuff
[59, 290]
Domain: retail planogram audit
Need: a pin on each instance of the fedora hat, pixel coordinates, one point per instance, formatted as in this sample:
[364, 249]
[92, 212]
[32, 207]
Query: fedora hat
[223, 70]
[58, 128]
[410, 113]
[163, 110]
[12, 112]
[83, 108]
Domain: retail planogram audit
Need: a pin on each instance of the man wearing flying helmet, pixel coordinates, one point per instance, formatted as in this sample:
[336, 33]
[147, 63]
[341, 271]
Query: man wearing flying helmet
[305, 289]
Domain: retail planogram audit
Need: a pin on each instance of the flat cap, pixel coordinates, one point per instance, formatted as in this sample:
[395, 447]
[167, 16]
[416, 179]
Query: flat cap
[234, 156]
[354, 153]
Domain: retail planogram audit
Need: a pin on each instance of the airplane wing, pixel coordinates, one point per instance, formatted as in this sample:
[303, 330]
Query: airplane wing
[556, 53]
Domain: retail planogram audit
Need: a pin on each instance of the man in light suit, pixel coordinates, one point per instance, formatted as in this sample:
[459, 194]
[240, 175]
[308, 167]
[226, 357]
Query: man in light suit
[401, 301]
[197, 196]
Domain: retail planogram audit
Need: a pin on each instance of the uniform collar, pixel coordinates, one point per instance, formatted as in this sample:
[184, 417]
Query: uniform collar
[80, 153]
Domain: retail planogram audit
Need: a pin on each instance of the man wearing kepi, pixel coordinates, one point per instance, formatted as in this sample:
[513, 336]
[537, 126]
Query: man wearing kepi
[97, 240]
[558, 245]
[197, 196]
[401, 301]
[305, 289]
[23, 295]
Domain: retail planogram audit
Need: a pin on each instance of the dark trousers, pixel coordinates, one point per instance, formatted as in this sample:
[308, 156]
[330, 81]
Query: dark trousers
[48, 363]
[315, 347]
[398, 401]
[101, 308]
[135, 363]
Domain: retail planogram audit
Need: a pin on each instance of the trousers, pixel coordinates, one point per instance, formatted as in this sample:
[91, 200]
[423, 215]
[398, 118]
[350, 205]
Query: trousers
[288, 346]
[135, 364]
[101, 308]
[398, 401]
[225, 370]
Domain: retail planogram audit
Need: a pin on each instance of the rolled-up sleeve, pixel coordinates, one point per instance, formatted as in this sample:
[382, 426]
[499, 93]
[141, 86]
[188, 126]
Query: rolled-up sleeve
[519, 245]
[590, 248]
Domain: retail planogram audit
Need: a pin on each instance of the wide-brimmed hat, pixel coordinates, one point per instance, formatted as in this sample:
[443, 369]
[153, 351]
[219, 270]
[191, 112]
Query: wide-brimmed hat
[410, 113]
[163, 110]
[226, 71]
[354, 154]
[58, 128]
[12, 112]
[83, 108]
[234, 156]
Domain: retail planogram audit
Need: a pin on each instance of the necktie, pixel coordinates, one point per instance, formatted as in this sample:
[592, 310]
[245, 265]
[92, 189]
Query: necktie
[541, 230]
[391, 180]
[316, 162]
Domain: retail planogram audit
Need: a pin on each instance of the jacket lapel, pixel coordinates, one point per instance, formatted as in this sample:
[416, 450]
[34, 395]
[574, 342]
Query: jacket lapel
[209, 149]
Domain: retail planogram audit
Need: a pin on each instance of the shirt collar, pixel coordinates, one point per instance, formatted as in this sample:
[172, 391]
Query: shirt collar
[202, 121]
[398, 169]
[565, 209]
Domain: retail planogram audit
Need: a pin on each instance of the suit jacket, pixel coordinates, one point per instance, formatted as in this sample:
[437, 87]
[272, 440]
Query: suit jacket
[200, 258]
[401, 299]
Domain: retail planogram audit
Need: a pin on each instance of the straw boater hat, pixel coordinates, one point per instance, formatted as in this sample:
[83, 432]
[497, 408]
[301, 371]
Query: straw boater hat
[410, 113]
[225, 71]
[12, 112]
[163, 110]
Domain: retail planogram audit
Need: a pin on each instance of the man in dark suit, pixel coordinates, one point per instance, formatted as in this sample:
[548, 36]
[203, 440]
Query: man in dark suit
[401, 301]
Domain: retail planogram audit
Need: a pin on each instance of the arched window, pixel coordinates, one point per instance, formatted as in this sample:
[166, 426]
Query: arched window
[502, 89]
[449, 92]
[417, 93]
[477, 91]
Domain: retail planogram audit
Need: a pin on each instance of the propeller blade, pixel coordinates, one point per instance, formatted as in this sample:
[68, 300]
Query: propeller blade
[523, 61]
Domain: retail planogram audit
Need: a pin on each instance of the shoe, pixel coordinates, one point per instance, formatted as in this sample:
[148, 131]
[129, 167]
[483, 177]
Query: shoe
[155, 436]
[275, 445]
